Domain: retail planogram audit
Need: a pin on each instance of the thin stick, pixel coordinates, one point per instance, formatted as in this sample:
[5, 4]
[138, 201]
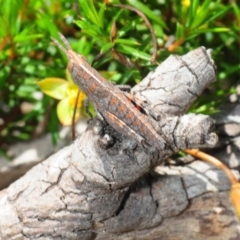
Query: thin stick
[154, 40]
[214, 161]
[74, 116]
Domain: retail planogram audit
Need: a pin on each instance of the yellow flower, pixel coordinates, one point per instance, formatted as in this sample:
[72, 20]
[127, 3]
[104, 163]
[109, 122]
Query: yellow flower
[66, 92]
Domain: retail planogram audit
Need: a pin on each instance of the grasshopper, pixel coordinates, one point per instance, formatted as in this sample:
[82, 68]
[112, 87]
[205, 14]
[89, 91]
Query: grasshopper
[111, 103]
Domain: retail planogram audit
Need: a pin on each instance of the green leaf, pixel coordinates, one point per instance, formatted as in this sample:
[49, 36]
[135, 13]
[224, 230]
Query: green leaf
[180, 31]
[92, 30]
[11, 10]
[84, 45]
[219, 13]
[23, 38]
[236, 11]
[115, 18]
[49, 24]
[194, 4]
[53, 126]
[126, 41]
[201, 15]
[89, 11]
[206, 14]
[123, 31]
[206, 30]
[133, 52]
[101, 15]
[206, 6]
[147, 11]
[158, 31]
[106, 47]
[127, 75]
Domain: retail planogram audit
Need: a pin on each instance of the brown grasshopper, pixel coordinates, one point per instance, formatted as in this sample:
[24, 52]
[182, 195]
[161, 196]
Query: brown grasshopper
[110, 102]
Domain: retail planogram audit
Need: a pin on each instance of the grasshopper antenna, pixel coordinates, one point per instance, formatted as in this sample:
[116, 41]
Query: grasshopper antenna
[66, 43]
[65, 48]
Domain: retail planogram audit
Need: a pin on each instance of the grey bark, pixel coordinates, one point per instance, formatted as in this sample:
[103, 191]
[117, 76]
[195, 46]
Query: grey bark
[85, 191]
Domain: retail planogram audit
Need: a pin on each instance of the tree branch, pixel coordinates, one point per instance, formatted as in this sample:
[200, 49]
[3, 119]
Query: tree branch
[90, 190]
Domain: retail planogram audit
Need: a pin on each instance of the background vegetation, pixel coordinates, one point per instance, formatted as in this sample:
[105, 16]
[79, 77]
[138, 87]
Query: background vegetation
[27, 53]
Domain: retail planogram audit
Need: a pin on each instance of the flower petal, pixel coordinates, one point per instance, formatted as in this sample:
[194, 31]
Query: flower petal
[54, 87]
[65, 112]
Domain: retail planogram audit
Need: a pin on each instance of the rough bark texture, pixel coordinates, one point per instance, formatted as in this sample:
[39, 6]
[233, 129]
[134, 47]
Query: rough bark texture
[87, 192]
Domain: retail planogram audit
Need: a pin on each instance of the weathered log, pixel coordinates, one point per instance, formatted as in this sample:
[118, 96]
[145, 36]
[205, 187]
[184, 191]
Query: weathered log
[85, 191]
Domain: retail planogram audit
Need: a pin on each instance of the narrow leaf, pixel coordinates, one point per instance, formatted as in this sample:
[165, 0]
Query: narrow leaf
[180, 31]
[101, 15]
[206, 30]
[127, 41]
[192, 12]
[133, 52]
[147, 11]
[90, 11]
[219, 13]
[22, 38]
[106, 47]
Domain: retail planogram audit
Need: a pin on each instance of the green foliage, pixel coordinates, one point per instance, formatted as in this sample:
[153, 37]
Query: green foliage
[27, 54]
